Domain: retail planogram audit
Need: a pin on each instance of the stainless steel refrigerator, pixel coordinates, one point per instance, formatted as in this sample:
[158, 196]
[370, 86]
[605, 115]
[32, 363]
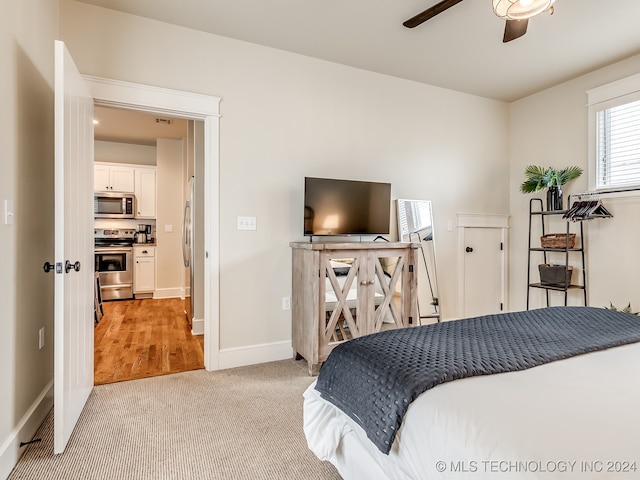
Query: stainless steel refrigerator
[188, 248]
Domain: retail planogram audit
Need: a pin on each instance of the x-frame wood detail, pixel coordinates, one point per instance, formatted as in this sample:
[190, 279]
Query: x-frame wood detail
[346, 290]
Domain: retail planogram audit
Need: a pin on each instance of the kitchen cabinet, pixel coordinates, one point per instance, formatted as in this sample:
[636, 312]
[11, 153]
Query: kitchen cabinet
[145, 191]
[346, 290]
[144, 270]
[113, 178]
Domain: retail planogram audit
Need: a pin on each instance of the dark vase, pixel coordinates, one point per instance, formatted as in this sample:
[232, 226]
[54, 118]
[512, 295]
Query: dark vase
[554, 198]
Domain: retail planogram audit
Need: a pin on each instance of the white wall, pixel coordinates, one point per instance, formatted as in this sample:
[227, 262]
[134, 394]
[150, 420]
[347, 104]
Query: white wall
[170, 195]
[26, 179]
[550, 129]
[285, 116]
[124, 153]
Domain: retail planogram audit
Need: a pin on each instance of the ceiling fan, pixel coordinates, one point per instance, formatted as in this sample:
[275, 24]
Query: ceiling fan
[516, 13]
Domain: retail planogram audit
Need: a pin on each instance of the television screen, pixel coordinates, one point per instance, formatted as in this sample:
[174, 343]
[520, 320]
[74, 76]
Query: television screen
[346, 207]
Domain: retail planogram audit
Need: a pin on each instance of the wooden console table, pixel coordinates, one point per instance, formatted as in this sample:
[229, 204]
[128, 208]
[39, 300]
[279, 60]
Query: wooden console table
[345, 290]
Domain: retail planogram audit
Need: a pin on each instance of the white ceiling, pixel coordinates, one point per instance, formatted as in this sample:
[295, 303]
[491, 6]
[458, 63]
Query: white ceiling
[460, 49]
[131, 126]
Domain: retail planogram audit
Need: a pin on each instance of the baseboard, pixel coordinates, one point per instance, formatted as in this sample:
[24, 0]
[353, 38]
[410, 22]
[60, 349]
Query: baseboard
[197, 326]
[253, 354]
[168, 293]
[10, 450]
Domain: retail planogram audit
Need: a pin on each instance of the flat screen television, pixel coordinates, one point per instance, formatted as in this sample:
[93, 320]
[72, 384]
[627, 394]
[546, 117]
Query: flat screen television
[346, 207]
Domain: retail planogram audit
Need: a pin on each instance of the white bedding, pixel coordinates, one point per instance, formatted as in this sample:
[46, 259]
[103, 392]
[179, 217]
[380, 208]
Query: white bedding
[577, 418]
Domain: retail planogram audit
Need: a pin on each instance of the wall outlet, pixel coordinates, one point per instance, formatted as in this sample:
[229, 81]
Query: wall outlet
[168, 228]
[286, 303]
[41, 338]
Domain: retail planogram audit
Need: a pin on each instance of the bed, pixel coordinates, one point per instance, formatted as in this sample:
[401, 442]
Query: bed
[573, 417]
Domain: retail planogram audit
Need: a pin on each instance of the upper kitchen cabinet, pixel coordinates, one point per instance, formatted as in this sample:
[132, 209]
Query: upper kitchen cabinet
[145, 190]
[113, 178]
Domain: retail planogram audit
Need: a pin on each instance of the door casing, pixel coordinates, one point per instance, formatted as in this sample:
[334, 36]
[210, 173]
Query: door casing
[192, 106]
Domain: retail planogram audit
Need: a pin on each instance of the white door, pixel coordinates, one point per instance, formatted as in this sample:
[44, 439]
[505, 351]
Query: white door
[483, 271]
[73, 360]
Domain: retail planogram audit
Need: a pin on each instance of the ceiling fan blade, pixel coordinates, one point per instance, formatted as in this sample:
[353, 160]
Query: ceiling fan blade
[430, 13]
[514, 29]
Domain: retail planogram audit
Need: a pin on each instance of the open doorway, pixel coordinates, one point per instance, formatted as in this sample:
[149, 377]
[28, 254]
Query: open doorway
[155, 326]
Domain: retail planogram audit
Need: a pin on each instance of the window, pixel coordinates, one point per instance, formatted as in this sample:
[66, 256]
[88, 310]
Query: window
[614, 114]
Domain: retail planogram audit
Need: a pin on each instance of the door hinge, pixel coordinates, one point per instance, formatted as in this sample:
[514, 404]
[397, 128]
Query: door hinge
[410, 320]
[501, 306]
[410, 268]
[501, 246]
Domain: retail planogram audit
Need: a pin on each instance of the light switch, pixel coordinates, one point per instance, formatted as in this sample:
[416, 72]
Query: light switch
[246, 223]
[8, 212]
[168, 228]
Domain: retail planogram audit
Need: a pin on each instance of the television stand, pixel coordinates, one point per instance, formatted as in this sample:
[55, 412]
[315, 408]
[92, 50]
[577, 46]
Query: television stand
[342, 291]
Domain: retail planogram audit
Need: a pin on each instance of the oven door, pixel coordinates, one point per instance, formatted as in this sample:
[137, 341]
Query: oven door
[115, 268]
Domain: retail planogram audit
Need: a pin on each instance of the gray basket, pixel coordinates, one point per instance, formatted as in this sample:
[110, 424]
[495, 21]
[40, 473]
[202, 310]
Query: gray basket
[555, 275]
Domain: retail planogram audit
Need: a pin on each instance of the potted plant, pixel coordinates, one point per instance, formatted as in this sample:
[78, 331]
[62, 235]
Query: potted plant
[550, 178]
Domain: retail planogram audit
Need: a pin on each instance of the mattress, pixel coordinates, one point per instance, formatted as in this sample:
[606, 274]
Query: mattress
[574, 418]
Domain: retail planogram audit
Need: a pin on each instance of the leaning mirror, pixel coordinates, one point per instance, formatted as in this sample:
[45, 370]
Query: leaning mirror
[415, 224]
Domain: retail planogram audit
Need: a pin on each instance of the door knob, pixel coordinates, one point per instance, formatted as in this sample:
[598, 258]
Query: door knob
[47, 267]
[469, 249]
[68, 266]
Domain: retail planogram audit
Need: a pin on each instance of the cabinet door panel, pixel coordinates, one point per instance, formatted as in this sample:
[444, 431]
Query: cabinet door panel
[340, 295]
[145, 189]
[122, 179]
[144, 274]
[101, 178]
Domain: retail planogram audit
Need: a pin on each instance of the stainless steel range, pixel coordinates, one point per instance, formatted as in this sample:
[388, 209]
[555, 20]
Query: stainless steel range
[114, 261]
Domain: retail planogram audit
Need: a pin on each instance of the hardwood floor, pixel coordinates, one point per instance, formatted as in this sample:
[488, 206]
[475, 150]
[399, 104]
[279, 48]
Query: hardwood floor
[144, 338]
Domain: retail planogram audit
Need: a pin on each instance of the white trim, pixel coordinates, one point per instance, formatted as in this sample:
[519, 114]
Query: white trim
[10, 451]
[483, 220]
[612, 90]
[253, 354]
[152, 99]
[197, 326]
[625, 90]
[176, 292]
[198, 107]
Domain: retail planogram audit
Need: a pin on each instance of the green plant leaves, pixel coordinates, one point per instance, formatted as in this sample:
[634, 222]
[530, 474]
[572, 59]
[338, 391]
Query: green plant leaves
[538, 178]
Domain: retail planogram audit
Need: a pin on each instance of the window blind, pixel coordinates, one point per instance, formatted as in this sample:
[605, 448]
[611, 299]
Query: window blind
[618, 146]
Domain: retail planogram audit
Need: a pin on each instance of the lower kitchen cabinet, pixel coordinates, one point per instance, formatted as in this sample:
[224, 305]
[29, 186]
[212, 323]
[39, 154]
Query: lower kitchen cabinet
[144, 270]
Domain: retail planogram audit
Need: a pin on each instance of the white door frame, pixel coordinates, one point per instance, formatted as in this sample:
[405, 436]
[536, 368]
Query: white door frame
[192, 106]
[475, 220]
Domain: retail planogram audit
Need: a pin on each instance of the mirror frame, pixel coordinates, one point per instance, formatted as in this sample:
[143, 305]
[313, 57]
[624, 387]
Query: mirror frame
[418, 235]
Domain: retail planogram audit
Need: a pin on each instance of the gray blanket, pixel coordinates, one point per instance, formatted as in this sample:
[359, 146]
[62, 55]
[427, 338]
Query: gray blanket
[374, 378]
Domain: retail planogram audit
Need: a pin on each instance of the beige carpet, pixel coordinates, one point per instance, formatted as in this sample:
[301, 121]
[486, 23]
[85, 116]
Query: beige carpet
[242, 423]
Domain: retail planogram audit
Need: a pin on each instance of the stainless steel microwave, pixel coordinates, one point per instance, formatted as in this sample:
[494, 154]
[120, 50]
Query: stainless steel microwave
[114, 205]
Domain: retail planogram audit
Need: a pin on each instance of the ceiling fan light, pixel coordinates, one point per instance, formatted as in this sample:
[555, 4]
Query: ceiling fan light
[520, 9]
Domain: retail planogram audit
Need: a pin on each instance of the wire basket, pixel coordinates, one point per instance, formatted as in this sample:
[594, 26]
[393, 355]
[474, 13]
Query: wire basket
[555, 275]
[557, 240]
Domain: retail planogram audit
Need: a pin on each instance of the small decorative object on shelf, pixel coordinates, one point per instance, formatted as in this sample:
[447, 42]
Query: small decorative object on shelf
[551, 178]
[557, 240]
[555, 275]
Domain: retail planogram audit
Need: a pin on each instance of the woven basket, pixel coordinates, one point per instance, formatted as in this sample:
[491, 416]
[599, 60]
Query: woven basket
[557, 240]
